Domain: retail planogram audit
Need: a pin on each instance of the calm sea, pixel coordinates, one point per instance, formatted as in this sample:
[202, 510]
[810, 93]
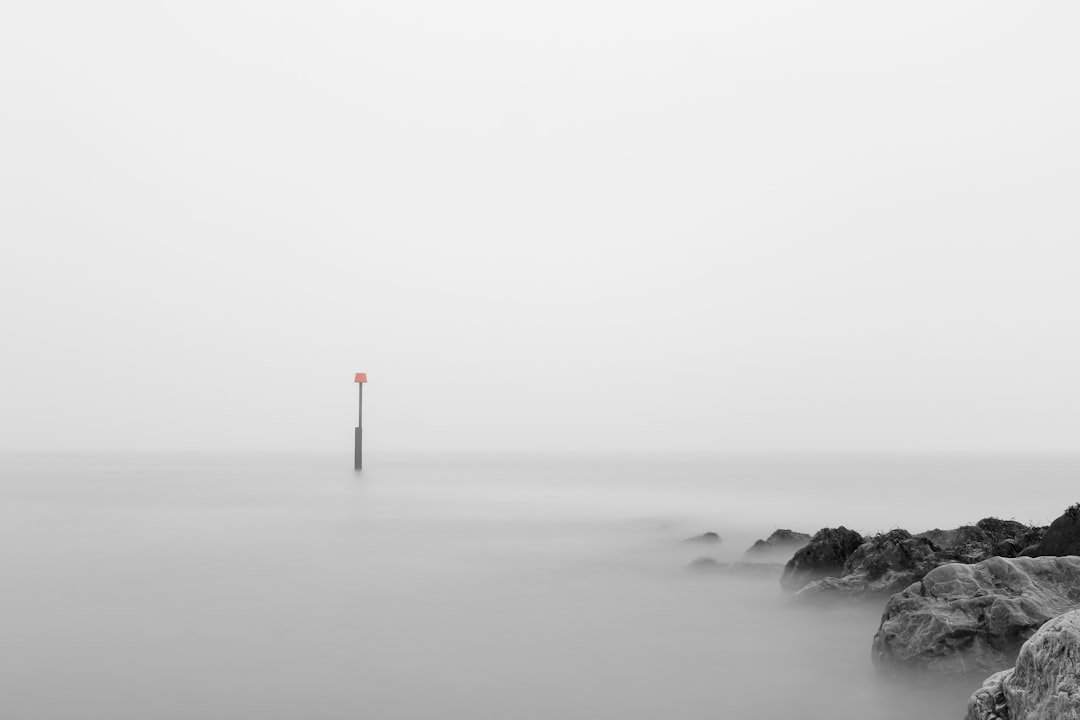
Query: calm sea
[148, 587]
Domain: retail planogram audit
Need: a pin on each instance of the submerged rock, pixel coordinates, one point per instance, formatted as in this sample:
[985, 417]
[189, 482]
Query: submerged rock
[1061, 538]
[823, 557]
[779, 546]
[758, 569]
[974, 618]
[1044, 685]
[709, 537]
[882, 565]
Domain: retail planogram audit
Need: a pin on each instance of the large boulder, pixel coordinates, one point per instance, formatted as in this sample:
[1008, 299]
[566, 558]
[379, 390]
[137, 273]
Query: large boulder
[778, 547]
[974, 618]
[987, 538]
[1044, 685]
[882, 565]
[823, 557]
[1061, 538]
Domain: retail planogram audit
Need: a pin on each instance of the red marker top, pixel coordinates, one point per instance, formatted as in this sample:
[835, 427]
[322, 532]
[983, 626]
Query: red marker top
[361, 378]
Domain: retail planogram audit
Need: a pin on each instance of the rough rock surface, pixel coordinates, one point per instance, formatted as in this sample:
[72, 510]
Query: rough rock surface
[709, 537]
[1061, 538]
[986, 538]
[880, 566]
[823, 557]
[1044, 685]
[988, 702]
[889, 562]
[779, 546]
[974, 618]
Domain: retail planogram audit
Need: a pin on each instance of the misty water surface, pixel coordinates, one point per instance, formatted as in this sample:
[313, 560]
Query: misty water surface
[154, 587]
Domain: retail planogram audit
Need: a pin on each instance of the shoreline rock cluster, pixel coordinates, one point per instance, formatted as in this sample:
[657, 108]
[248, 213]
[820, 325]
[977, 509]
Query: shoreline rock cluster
[1044, 684]
[840, 563]
[969, 601]
[764, 557]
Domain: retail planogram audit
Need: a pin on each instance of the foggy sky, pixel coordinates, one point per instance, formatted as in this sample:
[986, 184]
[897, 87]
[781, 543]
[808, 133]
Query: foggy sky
[557, 226]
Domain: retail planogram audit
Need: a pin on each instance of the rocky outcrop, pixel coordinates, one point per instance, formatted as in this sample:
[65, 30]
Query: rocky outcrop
[709, 537]
[778, 547]
[889, 562]
[880, 566]
[1061, 538]
[823, 557]
[974, 618]
[1044, 685]
[987, 538]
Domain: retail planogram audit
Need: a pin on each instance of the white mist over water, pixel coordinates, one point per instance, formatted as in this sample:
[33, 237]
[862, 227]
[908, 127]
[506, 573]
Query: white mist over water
[155, 587]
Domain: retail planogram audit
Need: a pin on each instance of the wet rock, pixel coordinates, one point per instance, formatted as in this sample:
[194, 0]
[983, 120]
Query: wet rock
[779, 546]
[973, 618]
[987, 538]
[988, 702]
[709, 537]
[823, 557]
[1044, 685]
[1061, 538]
[882, 565]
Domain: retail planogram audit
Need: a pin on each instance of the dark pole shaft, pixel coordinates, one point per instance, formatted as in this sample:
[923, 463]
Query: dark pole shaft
[358, 448]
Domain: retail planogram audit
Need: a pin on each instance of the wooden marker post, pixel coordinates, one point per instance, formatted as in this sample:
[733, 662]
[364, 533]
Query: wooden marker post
[358, 448]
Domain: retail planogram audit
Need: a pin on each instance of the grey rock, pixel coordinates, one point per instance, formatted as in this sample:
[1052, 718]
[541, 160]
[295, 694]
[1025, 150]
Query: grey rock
[987, 538]
[882, 565]
[824, 556]
[964, 618]
[889, 562]
[709, 537]
[1044, 685]
[779, 546]
[1061, 538]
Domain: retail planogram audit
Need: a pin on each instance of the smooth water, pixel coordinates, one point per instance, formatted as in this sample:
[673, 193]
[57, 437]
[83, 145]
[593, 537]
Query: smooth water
[185, 587]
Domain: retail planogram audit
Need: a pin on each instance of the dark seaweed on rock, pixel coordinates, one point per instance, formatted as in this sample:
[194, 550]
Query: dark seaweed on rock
[825, 556]
[987, 538]
[882, 565]
[888, 562]
[896, 549]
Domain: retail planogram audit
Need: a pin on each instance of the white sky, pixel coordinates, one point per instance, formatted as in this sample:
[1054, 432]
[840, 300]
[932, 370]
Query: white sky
[616, 226]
